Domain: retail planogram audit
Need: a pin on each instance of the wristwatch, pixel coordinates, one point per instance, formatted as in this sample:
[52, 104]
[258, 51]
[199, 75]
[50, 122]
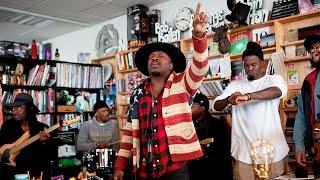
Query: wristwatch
[249, 96]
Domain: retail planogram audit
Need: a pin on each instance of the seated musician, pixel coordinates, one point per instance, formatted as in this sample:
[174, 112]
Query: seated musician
[100, 132]
[215, 141]
[35, 157]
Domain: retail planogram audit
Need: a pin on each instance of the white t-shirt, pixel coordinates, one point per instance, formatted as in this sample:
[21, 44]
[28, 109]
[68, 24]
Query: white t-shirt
[256, 119]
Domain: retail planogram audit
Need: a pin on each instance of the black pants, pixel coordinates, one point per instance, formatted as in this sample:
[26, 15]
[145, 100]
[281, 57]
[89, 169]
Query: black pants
[179, 174]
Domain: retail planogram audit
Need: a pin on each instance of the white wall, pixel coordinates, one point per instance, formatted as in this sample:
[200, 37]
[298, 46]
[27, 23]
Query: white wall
[83, 40]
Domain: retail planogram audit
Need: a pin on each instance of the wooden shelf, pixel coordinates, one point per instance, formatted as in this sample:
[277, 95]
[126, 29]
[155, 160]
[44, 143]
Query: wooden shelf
[128, 70]
[130, 50]
[212, 79]
[299, 17]
[290, 109]
[172, 42]
[209, 36]
[236, 57]
[253, 26]
[269, 50]
[297, 59]
[106, 58]
[124, 93]
[295, 43]
[265, 51]
[215, 57]
[122, 116]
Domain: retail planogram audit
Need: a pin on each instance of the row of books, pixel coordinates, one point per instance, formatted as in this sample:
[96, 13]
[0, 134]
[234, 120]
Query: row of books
[78, 76]
[211, 89]
[44, 100]
[42, 75]
[47, 119]
[130, 83]
[125, 61]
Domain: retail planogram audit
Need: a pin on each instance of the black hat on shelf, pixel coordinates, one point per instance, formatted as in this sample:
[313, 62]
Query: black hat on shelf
[253, 49]
[239, 13]
[177, 57]
[311, 40]
[23, 99]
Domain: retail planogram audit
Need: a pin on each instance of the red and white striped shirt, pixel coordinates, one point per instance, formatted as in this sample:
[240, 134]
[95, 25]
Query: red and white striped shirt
[182, 140]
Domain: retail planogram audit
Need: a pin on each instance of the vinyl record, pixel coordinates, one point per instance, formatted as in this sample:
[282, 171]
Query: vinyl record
[107, 71]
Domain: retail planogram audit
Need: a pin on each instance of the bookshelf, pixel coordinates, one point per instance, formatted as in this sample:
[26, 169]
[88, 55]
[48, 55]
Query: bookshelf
[297, 66]
[41, 79]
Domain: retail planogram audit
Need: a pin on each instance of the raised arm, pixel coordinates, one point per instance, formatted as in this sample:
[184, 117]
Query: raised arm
[199, 66]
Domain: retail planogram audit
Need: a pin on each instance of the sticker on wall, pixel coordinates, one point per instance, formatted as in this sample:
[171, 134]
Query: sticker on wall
[107, 41]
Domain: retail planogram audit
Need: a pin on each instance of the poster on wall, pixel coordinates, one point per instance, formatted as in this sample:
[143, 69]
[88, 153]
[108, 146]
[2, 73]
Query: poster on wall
[292, 74]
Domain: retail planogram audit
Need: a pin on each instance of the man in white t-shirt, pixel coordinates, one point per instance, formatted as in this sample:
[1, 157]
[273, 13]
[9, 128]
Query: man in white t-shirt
[255, 101]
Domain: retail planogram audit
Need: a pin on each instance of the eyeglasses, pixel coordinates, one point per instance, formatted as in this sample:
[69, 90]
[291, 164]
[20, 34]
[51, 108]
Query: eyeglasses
[314, 47]
[17, 109]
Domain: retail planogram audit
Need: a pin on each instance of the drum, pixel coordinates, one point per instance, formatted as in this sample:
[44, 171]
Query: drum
[106, 157]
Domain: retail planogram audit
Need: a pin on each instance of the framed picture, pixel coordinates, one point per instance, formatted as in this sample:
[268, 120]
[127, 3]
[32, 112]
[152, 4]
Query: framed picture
[268, 41]
[68, 141]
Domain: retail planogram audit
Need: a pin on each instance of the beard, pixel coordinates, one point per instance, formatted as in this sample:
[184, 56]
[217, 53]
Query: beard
[155, 74]
[250, 77]
[315, 64]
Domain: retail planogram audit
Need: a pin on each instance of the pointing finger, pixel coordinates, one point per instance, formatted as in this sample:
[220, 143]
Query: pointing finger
[198, 8]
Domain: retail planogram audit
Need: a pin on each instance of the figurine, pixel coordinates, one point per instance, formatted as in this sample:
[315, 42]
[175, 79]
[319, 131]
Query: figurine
[85, 175]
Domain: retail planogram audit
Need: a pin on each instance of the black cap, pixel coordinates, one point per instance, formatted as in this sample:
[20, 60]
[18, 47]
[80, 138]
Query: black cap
[201, 99]
[310, 41]
[253, 49]
[23, 99]
[98, 105]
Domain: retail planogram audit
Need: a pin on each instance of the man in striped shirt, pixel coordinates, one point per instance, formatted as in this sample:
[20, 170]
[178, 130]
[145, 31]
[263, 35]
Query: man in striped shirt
[159, 136]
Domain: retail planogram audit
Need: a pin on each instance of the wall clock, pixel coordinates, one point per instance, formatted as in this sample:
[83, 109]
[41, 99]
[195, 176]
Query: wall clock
[182, 19]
